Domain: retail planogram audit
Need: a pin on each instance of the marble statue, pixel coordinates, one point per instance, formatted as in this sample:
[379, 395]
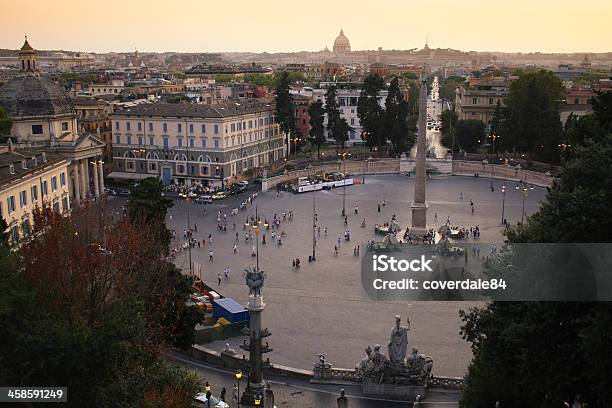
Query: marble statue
[398, 341]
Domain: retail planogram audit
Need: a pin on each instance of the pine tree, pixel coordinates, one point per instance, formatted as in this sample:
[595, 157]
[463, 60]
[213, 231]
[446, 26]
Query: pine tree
[285, 115]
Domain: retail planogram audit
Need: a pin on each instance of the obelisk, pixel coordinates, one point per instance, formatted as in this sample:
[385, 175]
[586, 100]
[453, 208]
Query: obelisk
[419, 206]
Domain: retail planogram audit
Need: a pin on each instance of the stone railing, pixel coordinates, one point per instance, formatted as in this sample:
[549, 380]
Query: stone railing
[448, 383]
[467, 168]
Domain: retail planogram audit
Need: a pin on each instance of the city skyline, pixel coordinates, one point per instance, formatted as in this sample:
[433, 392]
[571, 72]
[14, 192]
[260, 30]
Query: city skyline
[193, 27]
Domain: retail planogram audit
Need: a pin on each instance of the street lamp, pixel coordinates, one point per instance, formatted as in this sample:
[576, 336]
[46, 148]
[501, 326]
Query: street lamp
[503, 190]
[139, 152]
[314, 225]
[525, 191]
[222, 176]
[344, 156]
[364, 137]
[493, 136]
[238, 378]
[257, 399]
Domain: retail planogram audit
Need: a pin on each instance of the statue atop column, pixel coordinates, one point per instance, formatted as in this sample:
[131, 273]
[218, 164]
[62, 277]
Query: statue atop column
[254, 280]
[398, 341]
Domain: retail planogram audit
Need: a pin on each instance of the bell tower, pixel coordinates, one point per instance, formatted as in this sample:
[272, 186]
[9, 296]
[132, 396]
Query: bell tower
[27, 57]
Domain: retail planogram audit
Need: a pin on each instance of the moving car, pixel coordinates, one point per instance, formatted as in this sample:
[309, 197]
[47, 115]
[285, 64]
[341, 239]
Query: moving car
[219, 196]
[204, 199]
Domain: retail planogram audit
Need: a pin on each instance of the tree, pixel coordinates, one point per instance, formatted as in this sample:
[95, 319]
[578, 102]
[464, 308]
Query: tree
[285, 114]
[469, 134]
[317, 127]
[369, 111]
[334, 121]
[534, 353]
[449, 121]
[89, 304]
[533, 124]
[448, 87]
[6, 123]
[148, 206]
[395, 119]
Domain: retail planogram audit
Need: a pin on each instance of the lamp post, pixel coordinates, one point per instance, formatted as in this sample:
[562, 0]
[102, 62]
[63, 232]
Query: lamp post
[503, 190]
[525, 191]
[493, 136]
[222, 176]
[364, 137]
[238, 378]
[139, 152]
[314, 226]
[344, 156]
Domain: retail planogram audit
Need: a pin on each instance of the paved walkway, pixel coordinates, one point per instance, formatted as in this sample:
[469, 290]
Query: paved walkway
[320, 307]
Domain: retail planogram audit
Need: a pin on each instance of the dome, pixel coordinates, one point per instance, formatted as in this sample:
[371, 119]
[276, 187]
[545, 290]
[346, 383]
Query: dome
[342, 43]
[33, 95]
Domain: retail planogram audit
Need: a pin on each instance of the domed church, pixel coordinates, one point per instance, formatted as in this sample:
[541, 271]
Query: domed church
[44, 117]
[341, 43]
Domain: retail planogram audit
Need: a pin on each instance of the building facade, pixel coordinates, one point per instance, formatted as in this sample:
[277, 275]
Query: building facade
[29, 179]
[196, 143]
[93, 116]
[44, 117]
[477, 100]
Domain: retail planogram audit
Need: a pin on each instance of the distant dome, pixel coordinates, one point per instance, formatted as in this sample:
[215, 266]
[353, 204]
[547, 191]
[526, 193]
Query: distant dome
[33, 95]
[342, 43]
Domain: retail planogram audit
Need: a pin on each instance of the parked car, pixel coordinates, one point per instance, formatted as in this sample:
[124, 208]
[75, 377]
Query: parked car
[204, 199]
[200, 400]
[122, 192]
[110, 191]
[237, 189]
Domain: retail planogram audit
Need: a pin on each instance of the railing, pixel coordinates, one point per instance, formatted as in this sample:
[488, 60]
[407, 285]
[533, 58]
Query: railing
[345, 374]
[449, 383]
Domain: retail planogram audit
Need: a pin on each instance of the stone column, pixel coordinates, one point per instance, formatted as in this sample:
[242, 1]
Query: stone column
[84, 179]
[101, 175]
[419, 206]
[77, 182]
[95, 178]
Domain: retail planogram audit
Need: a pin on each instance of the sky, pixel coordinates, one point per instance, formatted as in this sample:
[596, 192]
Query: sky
[281, 25]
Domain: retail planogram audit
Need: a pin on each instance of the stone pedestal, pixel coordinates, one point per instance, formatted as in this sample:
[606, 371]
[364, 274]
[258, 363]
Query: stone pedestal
[393, 391]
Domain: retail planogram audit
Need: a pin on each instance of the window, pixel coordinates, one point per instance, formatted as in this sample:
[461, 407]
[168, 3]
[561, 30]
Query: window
[352, 121]
[63, 178]
[56, 205]
[45, 188]
[128, 126]
[180, 142]
[53, 183]
[129, 140]
[166, 143]
[152, 166]
[118, 139]
[180, 168]
[10, 202]
[151, 140]
[64, 126]
[116, 125]
[233, 127]
[490, 101]
[216, 143]
[129, 165]
[474, 100]
[203, 142]
[165, 127]
[191, 143]
[23, 199]
[203, 128]
[140, 140]
[150, 127]
[65, 206]
[34, 193]
[139, 126]
[191, 128]
[25, 225]
[15, 232]
[179, 127]
[216, 129]
[37, 129]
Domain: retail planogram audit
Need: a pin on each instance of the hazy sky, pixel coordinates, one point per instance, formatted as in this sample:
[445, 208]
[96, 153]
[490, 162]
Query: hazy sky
[283, 25]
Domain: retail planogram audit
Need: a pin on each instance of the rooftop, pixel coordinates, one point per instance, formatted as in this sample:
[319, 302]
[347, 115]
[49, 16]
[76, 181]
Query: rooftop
[197, 110]
[34, 161]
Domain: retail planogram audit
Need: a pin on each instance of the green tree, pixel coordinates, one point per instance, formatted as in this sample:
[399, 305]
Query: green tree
[534, 353]
[395, 119]
[448, 87]
[6, 123]
[469, 134]
[334, 121]
[449, 121]
[285, 114]
[317, 126]
[533, 124]
[147, 205]
[369, 111]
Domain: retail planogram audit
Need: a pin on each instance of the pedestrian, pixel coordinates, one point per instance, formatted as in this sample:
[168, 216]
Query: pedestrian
[436, 217]
[219, 278]
[336, 250]
[466, 256]
[222, 395]
[461, 195]
[210, 255]
[227, 272]
[378, 207]
[195, 227]
[325, 230]
[338, 241]
[235, 249]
